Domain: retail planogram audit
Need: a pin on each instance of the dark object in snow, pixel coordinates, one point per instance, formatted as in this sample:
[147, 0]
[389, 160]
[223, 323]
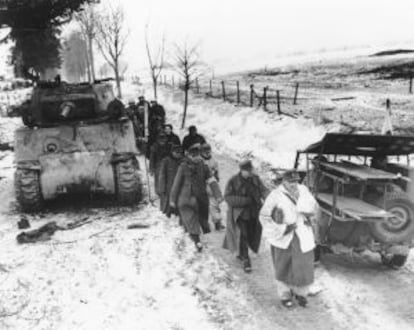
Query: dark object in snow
[38, 235]
[343, 98]
[23, 223]
[6, 147]
[393, 52]
[400, 70]
[138, 226]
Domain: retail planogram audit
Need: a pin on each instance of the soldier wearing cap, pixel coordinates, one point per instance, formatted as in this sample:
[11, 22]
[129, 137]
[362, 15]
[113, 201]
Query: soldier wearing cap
[214, 206]
[192, 138]
[244, 195]
[287, 216]
[157, 111]
[189, 194]
[168, 170]
[137, 121]
[173, 138]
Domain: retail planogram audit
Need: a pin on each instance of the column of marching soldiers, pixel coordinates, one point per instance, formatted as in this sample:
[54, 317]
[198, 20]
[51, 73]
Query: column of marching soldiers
[186, 178]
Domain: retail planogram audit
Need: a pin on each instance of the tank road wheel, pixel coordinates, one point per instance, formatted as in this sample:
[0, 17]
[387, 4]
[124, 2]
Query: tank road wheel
[27, 188]
[399, 229]
[128, 182]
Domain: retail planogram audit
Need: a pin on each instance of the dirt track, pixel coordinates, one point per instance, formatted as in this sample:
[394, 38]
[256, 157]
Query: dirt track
[357, 291]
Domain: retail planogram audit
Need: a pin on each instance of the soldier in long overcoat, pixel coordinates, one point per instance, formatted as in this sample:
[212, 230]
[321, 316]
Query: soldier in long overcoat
[189, 194]
[159, 151]
[244, 194]
[287, 217]
[168, 171]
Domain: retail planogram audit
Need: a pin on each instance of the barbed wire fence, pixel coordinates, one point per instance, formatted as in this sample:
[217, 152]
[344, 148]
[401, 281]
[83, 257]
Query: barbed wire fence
[242, 94]
[286, 99]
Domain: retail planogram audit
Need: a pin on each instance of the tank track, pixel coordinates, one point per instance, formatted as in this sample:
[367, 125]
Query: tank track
[128, 182]
[28, 192]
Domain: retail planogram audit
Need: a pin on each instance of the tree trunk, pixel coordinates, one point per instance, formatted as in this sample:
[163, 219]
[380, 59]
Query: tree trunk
[118, 79]
[88, 66]
[91, 58]
[185, 105]
[155, 87]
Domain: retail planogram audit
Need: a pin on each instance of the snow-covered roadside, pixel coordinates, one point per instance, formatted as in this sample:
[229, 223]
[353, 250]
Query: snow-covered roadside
[7, 128]
[246, 132]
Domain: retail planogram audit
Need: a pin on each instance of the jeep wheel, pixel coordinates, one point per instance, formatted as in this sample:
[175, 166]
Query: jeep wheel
[400, 228]
[128, 182]
[27, 188]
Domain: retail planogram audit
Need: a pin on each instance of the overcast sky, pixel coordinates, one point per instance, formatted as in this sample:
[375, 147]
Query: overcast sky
[237, 33]
[240, 29]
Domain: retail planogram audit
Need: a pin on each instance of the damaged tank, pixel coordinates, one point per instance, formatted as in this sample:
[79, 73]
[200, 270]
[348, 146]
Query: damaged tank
[76, 140]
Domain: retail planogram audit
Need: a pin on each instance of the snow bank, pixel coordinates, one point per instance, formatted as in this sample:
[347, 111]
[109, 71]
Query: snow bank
[247, 132]
[7, 128]
[103, 276]
[9, 99]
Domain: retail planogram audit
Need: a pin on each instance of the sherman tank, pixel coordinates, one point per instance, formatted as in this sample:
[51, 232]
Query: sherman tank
[76, 140]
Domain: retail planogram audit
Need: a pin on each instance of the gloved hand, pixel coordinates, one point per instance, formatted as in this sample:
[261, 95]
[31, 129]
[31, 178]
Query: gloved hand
[290, 228]
[278, 216]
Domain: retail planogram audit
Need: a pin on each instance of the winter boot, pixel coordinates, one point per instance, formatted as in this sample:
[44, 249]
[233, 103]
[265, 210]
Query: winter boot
[219, 226]
[302, 301]
[197, 242]
[247, 267]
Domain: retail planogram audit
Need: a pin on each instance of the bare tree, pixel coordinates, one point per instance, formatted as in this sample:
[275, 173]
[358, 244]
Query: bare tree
[111, 38]
[156, 62]
[189, 67]
[87, 20]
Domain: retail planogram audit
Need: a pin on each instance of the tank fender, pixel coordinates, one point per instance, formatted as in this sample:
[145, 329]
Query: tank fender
[33, 165]
[122, 157]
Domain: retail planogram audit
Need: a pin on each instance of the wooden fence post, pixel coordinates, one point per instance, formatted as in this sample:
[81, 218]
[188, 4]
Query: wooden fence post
[223, 88]
[296, 94]
[197, 86]
[265, 98]
[251, 95]
[278, 102]
[411, 84]
[238, 92]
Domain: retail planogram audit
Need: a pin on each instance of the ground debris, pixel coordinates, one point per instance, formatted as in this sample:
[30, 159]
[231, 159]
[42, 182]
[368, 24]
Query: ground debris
[41, 234]
[45, 232]
[6, 147]
[138, 226]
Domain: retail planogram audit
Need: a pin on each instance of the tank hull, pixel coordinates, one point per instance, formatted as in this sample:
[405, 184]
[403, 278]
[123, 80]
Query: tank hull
[77, 158]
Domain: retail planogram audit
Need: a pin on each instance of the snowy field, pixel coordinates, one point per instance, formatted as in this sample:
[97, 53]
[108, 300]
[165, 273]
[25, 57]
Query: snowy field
[338, 91]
